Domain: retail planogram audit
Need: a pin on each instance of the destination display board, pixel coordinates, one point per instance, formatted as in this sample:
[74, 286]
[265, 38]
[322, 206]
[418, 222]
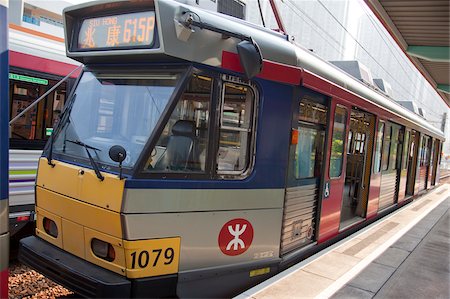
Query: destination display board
[129, 30]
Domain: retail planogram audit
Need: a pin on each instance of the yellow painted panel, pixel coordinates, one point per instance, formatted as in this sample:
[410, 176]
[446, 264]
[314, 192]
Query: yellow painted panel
[40, 231]
[73, 238]
[81, 183]
[118, 264]
[79, 212]
[152, 257]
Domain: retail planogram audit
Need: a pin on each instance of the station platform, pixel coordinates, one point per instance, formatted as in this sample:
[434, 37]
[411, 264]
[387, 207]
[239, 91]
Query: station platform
[404, 255]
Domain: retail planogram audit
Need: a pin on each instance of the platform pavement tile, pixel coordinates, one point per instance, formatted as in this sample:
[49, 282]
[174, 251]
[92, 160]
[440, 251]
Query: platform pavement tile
[298, 285]
[372, 278]
[332, 265]
[388, 234]
[349, 292]
[392, 257]
[368, 249]
[407, 242]
[418, 232]
[349, 244]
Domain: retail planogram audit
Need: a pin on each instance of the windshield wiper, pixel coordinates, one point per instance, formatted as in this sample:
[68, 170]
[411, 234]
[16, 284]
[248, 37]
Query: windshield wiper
[63, 121]
[93, 163]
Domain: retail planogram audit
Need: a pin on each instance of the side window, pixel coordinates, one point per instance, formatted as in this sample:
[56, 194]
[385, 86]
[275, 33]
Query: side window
[183, 143]
[386, 147]
[308, 152]
[405, 150]
[236, 129]
[395, 145]
[379, 146]
[337, 143]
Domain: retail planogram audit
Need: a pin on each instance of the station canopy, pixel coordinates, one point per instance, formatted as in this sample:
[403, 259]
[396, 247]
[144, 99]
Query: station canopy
[421, 29]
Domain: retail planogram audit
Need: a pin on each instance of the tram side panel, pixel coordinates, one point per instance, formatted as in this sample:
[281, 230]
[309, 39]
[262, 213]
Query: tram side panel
[217, 208]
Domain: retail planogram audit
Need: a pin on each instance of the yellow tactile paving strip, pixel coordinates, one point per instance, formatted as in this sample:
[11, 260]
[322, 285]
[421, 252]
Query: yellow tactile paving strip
[325, 273]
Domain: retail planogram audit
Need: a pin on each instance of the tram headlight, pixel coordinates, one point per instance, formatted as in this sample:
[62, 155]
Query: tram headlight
[50, 227]
[103, 250]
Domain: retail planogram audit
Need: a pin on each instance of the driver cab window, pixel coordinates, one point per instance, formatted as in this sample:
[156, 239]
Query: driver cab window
[236, 129]
[183, 143]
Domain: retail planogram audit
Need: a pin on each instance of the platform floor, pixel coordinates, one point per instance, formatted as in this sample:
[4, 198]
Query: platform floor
[404, 255]
[416, 266]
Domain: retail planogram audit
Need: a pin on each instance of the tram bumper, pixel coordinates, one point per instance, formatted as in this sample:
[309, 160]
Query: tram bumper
[76, 274]
[87, 279]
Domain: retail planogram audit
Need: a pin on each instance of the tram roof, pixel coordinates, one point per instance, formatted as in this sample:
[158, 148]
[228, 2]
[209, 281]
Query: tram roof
[207, 47]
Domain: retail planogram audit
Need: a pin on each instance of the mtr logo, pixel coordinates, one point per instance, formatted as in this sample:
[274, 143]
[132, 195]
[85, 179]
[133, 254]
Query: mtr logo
[235, 237]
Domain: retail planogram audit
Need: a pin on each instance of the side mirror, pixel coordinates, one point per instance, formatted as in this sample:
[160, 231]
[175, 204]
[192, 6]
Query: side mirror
[117, 153]
[250, 57]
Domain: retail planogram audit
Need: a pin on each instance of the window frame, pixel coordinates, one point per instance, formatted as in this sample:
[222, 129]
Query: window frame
[344, 141]
[251, 151]
[210, 172]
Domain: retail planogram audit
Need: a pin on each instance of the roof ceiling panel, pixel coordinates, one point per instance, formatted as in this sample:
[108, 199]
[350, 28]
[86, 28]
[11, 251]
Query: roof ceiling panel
[419, 23]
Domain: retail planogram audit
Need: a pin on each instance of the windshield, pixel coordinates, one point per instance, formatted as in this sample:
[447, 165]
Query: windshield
[113, 109]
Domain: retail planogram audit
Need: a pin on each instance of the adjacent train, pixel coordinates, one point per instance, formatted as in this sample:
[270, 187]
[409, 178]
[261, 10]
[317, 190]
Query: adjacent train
[37, 62]
[199, 155]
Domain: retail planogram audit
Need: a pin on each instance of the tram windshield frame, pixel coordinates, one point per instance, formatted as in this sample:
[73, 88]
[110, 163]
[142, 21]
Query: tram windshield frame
[103, 112]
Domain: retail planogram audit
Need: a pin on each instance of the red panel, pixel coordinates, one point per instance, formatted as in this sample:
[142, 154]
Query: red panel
[374, 194]
[40, 64]
[273, 71]
[331, 207]
[4, 284]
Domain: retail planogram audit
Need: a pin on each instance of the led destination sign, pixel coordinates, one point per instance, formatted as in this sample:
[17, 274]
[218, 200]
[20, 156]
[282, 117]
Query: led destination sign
[119, 31]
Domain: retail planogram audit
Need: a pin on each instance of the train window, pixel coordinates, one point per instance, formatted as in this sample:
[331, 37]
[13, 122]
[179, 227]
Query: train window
[405, 150]
[34, 127]
[379, 146]
[312, 112]
[338, 140]
[386, 147]
[308, 152]
[183, 143]
[395, 146]
[235, 135]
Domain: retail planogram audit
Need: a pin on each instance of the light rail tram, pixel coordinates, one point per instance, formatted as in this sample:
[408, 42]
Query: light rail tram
[37, 61]
[198, 155]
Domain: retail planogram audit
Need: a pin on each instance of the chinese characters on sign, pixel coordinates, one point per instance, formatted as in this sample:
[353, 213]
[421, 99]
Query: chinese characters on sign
[126, 30]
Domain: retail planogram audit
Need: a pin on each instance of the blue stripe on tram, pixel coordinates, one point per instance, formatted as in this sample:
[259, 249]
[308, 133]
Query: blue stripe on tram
[3, 102]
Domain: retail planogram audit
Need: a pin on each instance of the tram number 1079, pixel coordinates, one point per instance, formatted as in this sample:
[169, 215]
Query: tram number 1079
[143, 258]
[152, 257]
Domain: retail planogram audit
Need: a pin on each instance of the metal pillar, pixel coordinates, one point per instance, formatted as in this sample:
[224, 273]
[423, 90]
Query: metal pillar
[4, 147]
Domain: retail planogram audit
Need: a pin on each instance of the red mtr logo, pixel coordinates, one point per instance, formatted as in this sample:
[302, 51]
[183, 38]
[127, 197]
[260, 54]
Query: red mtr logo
[235, 237]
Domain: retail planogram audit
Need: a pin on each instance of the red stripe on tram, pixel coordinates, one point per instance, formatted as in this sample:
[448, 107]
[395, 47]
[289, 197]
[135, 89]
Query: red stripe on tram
[273, 71]
[4, 283]
[40, 64]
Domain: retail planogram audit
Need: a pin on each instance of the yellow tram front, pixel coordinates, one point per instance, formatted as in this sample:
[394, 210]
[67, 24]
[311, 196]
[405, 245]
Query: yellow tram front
[141, 116]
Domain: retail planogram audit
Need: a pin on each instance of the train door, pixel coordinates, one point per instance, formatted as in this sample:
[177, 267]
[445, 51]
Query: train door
[437, 150]
[375, 179]
[334, 174]
[357, 173]
[390, 166]
[413, 150]
[424, 162]
[431, 166]
[418, 159]
[306, 156]
[402, 192]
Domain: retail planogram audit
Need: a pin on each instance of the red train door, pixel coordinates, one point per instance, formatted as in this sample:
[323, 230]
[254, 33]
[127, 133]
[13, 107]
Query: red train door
[402, 194]
[375, 181]
[334, 175]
